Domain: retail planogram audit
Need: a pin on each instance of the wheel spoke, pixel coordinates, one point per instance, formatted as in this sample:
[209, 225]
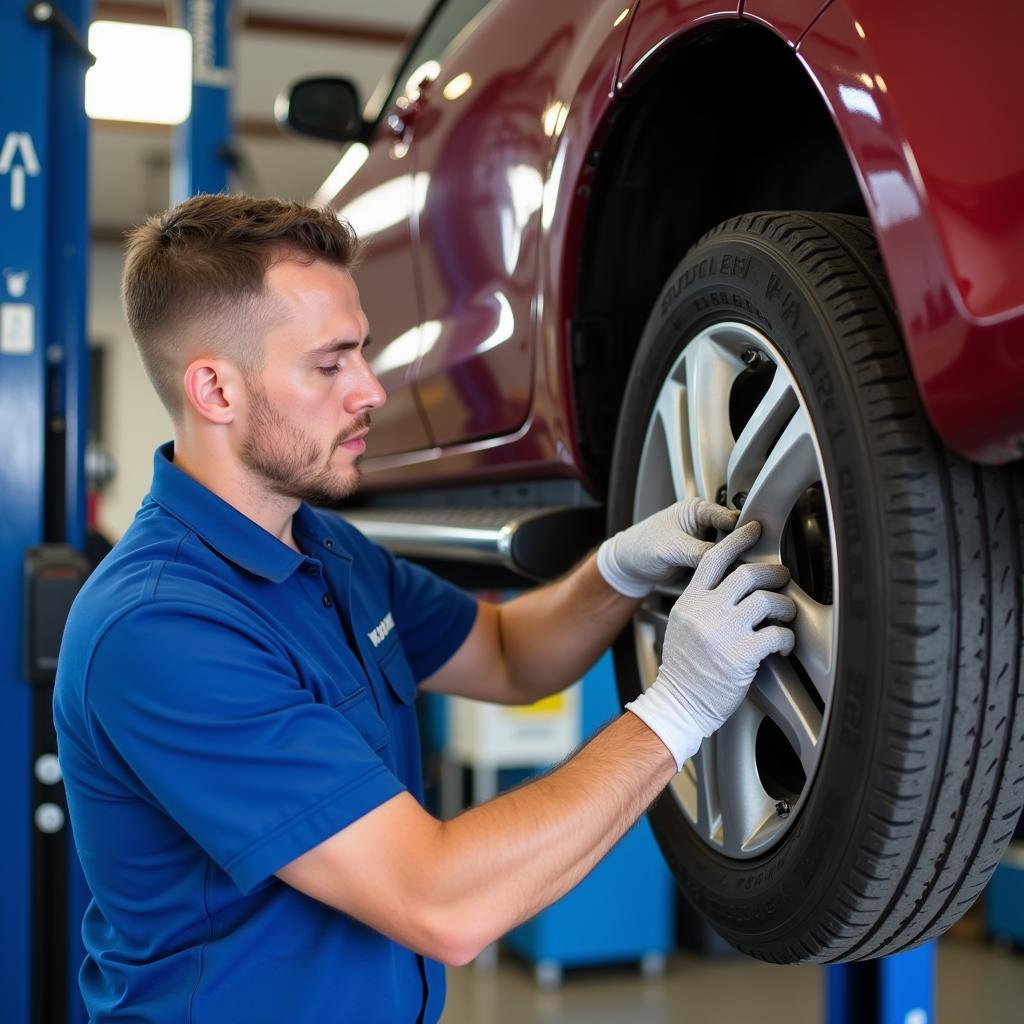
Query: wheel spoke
[747, 458]
[710, 372]
[669, 414]
[791, 467]
[663, 473]
[780, 694]
[671, 590]
[709, 819]
[745, 806]
[649, 629]
[814, 627]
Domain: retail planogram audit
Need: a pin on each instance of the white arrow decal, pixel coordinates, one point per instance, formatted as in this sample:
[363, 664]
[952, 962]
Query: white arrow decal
[18, 143]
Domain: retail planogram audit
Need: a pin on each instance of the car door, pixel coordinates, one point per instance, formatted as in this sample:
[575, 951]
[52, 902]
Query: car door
[374, 188]
[480, 84]
[491, 106]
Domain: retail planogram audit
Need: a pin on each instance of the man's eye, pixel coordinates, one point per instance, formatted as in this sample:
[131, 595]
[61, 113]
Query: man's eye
[328, 371]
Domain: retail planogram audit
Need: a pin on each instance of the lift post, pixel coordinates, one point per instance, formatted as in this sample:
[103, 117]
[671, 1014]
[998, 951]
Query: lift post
[898, 989]
[202, 154]
[43, 389]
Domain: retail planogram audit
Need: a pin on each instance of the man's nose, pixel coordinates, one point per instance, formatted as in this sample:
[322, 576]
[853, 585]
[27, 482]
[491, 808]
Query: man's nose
[370, 393]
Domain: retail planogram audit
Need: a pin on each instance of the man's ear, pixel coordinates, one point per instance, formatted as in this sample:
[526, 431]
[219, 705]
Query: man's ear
[211, 389]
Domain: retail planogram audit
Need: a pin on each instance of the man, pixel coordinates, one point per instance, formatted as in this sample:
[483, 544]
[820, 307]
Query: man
[234, 696]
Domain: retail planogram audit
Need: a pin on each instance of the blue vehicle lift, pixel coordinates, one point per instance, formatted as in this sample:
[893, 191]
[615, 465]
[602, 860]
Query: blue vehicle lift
[898, 989]
[203, 154]
[44, 161]
[43, 391]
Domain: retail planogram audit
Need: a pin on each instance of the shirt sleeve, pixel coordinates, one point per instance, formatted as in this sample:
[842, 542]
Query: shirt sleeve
[433, 617]
[206, 718]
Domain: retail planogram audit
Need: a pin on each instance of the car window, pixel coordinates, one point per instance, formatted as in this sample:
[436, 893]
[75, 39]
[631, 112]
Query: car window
[446, 21]
[446, 24]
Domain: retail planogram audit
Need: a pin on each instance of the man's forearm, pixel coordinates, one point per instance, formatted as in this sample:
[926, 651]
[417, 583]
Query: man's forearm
[552, 635]
[449, 888]
[500, 863]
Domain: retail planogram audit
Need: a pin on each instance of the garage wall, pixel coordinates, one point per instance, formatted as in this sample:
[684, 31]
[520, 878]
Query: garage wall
[133, 420]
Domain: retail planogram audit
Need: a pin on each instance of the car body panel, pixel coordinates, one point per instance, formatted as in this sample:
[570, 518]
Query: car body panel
[583, 72]
[656, 24]
[384, 193]
[944, 182]
[484, 159]
[787, 18]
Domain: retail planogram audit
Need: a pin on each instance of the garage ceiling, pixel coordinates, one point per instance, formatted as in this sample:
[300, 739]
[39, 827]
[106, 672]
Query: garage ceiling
[275, 44]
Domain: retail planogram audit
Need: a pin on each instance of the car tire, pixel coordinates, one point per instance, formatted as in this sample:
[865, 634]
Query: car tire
[891, 817]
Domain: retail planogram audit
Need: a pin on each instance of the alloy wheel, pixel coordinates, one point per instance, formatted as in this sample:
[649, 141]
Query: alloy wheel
[730, 424]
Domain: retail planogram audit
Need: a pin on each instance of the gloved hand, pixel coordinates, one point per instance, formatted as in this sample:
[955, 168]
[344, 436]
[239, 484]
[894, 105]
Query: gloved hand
[651, 551]
[712, 650]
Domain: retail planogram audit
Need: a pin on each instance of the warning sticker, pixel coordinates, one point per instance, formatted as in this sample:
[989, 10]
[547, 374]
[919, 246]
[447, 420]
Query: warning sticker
[17, 328]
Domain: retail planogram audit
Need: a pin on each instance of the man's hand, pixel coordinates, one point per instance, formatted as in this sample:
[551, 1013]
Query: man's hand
[712, 649]
[653, 550]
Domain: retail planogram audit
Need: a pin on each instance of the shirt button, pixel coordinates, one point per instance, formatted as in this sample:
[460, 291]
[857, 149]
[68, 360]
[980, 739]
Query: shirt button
[311, 570]
[328, 543]
[327, 600]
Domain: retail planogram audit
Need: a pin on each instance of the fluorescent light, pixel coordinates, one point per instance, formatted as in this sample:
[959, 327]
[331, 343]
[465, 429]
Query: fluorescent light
[503, 330]
[426, 72]
[458, 86]
[857, 101]
[554, 118]
[391, 202]
[346, 169]
[409, 346]
[142, 73]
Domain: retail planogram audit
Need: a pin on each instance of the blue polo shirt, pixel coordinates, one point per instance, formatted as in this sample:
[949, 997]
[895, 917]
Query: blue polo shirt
[223, 704]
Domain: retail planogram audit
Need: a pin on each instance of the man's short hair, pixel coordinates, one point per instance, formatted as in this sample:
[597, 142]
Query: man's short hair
[201, 266]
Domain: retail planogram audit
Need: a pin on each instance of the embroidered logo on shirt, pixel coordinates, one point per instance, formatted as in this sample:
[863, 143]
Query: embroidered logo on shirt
[381, 630]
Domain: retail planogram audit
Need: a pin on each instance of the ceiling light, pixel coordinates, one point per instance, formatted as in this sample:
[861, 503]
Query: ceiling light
[142, 73]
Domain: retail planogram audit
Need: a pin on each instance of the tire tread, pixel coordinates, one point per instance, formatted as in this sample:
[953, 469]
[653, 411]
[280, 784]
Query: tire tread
[946, 780]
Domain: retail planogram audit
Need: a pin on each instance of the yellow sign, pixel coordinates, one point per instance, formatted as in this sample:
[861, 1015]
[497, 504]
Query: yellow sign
[553, 705]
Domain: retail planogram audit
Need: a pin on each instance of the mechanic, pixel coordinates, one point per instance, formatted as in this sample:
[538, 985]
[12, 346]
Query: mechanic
[234, 700]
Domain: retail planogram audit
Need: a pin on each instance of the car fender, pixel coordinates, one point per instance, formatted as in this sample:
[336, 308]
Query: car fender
[943, 180]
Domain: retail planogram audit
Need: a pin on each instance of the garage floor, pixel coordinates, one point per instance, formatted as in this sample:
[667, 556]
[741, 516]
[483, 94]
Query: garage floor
[979, 983]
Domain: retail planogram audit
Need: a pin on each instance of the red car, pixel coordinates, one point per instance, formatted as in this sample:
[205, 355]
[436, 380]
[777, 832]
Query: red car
[769, 252]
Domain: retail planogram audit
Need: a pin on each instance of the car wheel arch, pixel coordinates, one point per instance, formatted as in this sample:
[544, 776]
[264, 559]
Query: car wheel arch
[633, 195]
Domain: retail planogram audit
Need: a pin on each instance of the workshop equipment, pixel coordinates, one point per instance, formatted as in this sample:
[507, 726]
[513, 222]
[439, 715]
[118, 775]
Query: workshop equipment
[43, 391]
[1004, 897]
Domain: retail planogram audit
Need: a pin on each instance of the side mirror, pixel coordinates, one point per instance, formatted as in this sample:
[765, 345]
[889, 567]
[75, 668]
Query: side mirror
[325, 108]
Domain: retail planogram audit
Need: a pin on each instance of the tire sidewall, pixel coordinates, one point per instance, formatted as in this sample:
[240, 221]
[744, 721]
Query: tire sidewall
[741, 277]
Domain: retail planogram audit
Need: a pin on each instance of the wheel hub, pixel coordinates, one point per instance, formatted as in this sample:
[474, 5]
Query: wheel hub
[730, 424]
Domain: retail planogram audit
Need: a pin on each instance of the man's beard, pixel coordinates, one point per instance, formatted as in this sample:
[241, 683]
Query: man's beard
[292, 463]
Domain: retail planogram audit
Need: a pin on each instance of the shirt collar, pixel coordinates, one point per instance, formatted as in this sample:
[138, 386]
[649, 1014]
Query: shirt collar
[222, 526]
[307, 525]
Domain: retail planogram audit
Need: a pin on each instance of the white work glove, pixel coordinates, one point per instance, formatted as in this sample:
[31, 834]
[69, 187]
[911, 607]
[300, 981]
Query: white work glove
[652, 551]
[712, 650]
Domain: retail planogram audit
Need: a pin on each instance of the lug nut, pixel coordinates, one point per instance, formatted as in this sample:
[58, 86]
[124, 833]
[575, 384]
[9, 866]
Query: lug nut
[739, 498]
[782, 808]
